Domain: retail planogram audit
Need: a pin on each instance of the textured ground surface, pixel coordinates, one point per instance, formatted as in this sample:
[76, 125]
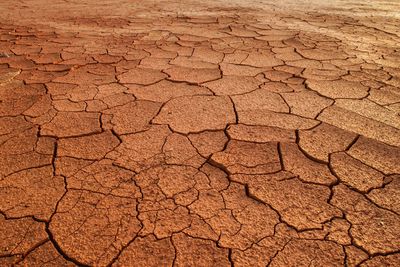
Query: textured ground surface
[199, 133]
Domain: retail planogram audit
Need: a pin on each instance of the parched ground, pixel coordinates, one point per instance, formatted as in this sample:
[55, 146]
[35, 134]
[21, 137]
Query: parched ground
[199, 133]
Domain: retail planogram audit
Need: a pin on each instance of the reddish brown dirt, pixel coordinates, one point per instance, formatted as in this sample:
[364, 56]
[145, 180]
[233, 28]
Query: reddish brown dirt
[199, 133]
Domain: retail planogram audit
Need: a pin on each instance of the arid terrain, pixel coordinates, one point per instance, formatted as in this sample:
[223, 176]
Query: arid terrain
[200, 133]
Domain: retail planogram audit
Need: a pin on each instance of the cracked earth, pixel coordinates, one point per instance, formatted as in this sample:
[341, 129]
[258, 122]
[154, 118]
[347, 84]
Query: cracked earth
[199, 133]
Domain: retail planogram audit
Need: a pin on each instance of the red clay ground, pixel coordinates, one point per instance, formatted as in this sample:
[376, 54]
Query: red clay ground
[199, 133]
